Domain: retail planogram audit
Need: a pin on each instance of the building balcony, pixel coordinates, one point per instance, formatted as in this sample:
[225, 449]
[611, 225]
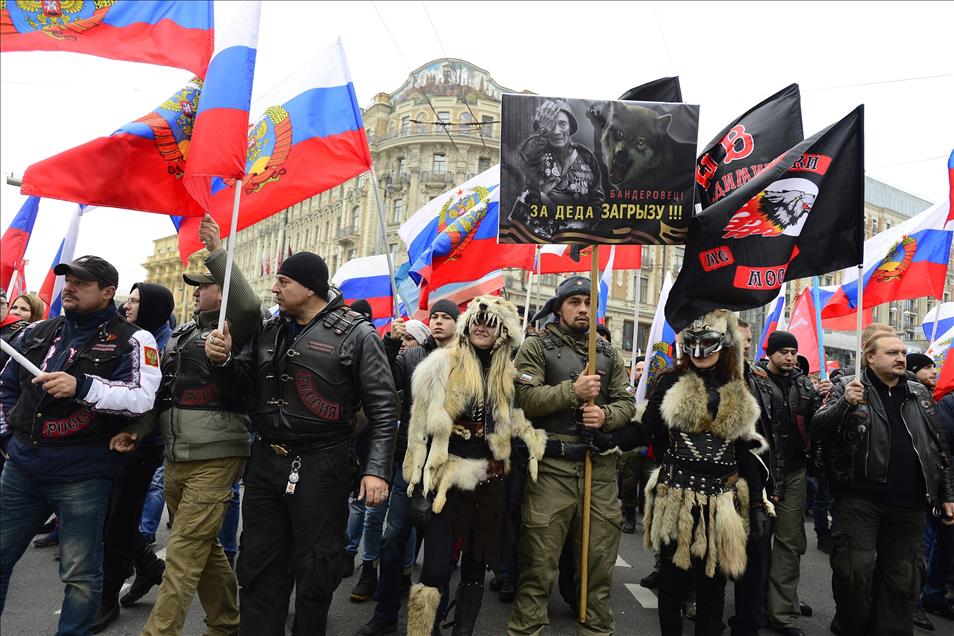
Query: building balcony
[422, 130]
[439, 177]
[395, 181]
[347, 233]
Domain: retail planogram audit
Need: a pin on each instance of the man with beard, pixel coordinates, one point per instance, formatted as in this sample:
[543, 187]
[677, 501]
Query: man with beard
[553, 389]
[391, 582]
[887, 458]
[312, 366]
[98, 371]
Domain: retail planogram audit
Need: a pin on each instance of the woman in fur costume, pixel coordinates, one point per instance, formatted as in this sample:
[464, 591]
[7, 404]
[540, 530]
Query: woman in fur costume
[702, 420]
[462, 419]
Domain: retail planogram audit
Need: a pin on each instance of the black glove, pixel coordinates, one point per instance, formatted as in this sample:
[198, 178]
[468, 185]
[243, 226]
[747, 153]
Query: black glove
[760, 524]
[603, 441]
[586, 435]
[575, 451]
[421, 511]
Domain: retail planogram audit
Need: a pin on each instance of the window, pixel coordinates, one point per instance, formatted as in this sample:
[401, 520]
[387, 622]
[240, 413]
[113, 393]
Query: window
[397, 213]
[356, 217]
[401, 165]
[627, 335]
[440, 164]
[444, 116]
[643, 289]
[483, 164]
[643, 338]
[351, 254]
[487, 126]
[405, 124]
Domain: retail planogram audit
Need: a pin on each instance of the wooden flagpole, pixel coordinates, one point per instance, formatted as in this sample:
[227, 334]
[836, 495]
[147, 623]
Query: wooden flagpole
[588, 462]
[636, 301]
[384, 233]
[230, 258]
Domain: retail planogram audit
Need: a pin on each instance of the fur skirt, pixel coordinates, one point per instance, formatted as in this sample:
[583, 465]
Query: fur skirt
[482, 510]
[713, 529]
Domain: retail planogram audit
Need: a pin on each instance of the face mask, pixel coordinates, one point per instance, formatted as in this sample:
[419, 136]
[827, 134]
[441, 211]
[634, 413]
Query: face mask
[702, 344]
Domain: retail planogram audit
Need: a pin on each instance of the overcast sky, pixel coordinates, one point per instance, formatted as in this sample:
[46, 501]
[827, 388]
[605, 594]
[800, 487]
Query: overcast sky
[894, 57]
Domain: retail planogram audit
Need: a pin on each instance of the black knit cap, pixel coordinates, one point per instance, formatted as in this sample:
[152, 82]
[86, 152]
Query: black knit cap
[917, 361]
[780, 340]
[446, 306]
[363, 307]
[309, 270]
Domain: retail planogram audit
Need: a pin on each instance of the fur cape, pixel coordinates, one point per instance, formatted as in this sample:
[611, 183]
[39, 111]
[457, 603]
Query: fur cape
[718, 538]
[443, 386]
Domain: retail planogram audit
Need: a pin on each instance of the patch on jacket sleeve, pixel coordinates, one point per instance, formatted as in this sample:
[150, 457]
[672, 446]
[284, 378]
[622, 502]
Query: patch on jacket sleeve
[151, 356]
[524, 378]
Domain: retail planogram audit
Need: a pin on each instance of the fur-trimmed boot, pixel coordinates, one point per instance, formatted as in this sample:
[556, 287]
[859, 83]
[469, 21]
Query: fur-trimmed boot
[469, 596]
[422, 609]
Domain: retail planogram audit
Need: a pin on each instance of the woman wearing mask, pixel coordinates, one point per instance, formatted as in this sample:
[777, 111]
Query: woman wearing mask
[699, 502]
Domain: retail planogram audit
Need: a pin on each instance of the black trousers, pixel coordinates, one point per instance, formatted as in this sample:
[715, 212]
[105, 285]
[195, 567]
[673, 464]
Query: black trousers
[674, 586]
[750, 588]
[877, 565]
[293, 540]
[122, 542]
[438, 561]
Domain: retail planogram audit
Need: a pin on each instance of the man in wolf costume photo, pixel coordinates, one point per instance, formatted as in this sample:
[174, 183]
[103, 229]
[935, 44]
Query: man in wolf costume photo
[458, 452]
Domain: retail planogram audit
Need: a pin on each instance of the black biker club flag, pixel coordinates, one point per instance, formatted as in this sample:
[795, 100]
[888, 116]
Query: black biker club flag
[802, 215]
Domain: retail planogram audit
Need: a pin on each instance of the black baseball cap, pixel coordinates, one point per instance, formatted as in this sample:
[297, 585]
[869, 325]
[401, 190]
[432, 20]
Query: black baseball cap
[199, 279]
[90, 268]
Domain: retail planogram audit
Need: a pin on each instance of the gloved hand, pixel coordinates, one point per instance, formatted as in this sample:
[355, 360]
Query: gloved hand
[603, 441]
[760, 525]
[575, 451]
[421, 510]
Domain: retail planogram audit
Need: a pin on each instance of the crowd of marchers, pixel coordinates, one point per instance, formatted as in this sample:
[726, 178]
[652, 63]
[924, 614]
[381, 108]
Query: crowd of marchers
[467, 443]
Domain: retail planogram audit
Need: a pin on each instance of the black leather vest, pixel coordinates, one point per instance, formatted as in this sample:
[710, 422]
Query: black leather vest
[305, 391]
[187, 381]
[564, 363]
[41, 420]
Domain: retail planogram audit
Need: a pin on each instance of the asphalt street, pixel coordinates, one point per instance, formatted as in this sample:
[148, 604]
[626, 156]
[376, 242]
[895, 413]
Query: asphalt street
[35, 594]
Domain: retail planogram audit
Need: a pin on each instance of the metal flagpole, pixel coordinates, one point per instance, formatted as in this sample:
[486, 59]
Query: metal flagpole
[526, 303]
[818, 328]
[636, 293]
[937, 314]
[384, 232]
[860, 306]
[230, 255]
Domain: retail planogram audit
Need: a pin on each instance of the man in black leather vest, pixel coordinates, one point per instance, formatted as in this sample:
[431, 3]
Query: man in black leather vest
[552, 386]
[98, 373]
[313, 366]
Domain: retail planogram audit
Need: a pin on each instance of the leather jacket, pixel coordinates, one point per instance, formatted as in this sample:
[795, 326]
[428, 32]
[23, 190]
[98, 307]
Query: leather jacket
[310, 386]
[803, 400]
[859, 438]
[402, 368]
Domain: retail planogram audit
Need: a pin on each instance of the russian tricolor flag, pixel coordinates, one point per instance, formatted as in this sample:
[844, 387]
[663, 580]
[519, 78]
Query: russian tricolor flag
[661, 348]
[942, 352]
[15, 239]
[774, 320]
[557, 259]
[177, 34]
[907, 261]
[367, 278]
[943, 314]
[220, 136]
[53, 285]
[605, 281]
[308, 137]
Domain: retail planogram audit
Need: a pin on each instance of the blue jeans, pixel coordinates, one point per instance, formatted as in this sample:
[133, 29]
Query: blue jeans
[228, 534]
[367, 522]
[153, 505]
[81, 509]
[394, 548]
[939, 554]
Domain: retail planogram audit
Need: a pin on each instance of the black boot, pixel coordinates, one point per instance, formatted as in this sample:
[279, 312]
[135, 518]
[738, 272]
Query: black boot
[147, 577]
[469, 596]
[629, 520]
[367, 583]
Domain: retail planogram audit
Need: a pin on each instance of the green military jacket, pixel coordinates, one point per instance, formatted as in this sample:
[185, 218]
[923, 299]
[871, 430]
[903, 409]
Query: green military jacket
[538, 399]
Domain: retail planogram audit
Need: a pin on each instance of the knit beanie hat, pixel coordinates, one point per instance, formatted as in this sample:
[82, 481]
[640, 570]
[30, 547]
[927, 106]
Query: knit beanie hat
[780, 340]
[448, 307]
[917, 361]
[417, 330]
[309, 270]
[363, 307]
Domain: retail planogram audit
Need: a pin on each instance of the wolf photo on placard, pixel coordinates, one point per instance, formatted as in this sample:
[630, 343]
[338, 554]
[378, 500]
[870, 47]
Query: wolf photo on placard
[631, 184]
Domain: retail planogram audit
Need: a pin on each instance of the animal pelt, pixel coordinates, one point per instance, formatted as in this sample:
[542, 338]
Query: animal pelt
[443, 386]
[685, 408]
[713, 529]
[422, 605]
